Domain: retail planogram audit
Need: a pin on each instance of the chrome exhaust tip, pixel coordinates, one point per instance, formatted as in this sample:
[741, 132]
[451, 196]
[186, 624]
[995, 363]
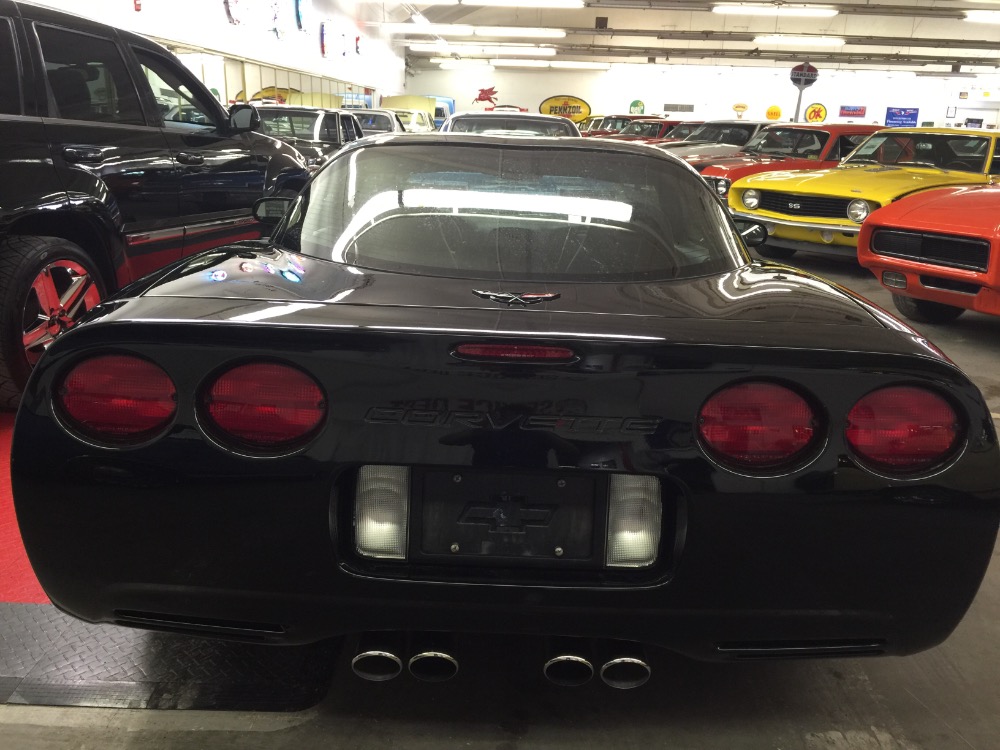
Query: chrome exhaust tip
[568, 670]
[433, 657]
[627, 671]
[377, 659]
[569, 662]
[433, 666]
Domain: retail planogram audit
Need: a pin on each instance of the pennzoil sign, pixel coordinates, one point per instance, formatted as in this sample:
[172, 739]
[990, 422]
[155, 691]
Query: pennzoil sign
[572, 107]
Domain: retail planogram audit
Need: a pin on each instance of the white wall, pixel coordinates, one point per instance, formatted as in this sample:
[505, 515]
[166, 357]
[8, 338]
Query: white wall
[204, 23]
[713, 90]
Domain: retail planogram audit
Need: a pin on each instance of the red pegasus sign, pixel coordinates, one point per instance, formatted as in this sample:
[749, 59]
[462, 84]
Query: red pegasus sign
[486, 95]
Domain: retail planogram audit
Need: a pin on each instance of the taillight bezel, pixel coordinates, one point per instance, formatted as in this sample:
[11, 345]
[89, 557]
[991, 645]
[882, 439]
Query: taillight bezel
[231, 443]
[955, 453]
[75, 428]
[807, 455]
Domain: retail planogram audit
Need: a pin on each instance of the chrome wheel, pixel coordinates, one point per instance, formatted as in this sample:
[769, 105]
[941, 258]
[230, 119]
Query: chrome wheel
[60, 294]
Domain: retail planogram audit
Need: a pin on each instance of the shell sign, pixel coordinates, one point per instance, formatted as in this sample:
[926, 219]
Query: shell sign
[815, 113]
[773, 112]
[572, 107]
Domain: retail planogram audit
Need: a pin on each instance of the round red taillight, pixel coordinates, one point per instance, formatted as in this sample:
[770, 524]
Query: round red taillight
[117, 398]
[903, 430]
[265, 405]
[757, 426]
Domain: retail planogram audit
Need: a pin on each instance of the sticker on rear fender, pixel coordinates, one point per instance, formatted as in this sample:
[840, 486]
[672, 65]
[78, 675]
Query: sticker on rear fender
[489, 421]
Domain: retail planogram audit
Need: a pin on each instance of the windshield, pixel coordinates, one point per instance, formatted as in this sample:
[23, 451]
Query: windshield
[805, 144]
[963, 153]
[507, 125]
[502, 212]
[643, 129]
[734, 134]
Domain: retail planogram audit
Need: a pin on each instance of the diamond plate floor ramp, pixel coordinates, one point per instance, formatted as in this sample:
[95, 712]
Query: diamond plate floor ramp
[49, 658]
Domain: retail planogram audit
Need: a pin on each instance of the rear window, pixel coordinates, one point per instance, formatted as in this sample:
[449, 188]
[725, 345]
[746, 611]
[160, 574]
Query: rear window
[288, 124]
[503, 212]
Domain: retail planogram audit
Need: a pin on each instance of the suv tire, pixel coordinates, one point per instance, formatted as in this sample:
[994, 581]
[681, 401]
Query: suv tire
[46, 285]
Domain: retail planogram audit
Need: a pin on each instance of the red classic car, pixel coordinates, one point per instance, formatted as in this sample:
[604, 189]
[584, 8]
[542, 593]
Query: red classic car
[938, 252]
[644, 130]
[680, 132]
[785, 147]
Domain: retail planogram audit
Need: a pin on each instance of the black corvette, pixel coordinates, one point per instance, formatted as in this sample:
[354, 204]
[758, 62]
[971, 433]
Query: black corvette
[498, 385]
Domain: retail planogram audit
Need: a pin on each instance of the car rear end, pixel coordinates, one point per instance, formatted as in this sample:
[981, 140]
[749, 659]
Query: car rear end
[511, 386]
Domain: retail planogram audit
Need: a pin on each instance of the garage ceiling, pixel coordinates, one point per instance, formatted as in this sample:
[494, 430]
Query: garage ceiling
[933, 38]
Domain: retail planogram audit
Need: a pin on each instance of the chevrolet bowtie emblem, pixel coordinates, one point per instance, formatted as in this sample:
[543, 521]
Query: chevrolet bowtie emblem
[518, 298]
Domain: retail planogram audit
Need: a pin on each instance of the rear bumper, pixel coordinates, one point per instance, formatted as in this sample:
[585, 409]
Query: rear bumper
[271, 561]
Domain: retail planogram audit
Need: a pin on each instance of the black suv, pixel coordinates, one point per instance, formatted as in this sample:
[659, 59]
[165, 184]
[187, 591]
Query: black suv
[116, 160]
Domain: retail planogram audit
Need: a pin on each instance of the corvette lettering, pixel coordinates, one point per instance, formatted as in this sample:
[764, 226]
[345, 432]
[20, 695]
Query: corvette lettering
[483, 420]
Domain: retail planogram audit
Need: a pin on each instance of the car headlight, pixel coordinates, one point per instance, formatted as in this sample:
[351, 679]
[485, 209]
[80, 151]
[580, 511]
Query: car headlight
[858, 210]
[722, 186]
[751, 198]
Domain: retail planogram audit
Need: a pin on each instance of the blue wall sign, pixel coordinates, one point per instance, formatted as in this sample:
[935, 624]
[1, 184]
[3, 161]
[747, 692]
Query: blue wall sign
[901, 117]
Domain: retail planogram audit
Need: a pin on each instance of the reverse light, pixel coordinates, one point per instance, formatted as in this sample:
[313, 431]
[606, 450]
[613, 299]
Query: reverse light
[117, 398]
[264, 405]
[757, 426]
[751, 198]
[634, 521]
[858, 210]
[903, 430]
[381, 509]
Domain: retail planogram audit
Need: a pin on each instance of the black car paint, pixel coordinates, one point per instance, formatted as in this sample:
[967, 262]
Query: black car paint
[119, 191]
[287, 572]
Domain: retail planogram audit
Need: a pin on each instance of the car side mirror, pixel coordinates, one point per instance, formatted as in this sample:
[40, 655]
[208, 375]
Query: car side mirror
[752, 233]
[269, 211]
[243, 118]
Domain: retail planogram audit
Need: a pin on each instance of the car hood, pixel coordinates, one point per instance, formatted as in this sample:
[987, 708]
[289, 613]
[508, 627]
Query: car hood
[702, 151]
[967, 210]
[742, 159]
[878, 182]
[755, 305]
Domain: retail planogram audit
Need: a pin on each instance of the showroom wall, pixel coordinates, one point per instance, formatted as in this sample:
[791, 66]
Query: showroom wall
[267, 32]
[714, 90]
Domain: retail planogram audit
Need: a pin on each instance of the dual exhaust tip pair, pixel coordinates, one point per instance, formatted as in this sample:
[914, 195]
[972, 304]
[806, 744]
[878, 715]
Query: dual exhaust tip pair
[569, 661]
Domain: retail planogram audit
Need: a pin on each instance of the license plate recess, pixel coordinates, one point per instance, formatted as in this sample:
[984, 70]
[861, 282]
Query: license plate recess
[503, 518]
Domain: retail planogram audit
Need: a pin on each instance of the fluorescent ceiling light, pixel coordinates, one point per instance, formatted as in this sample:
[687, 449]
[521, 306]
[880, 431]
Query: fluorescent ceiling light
[790, 11]
[525, 32]
[526, 3]
[438, 29]
[800, 41]
[579, 65]
[520, 63]
[419, 18]
[983, 16]
[943, 74]
[484, 67]
[453, 48]
[472, 62]
[437, 2]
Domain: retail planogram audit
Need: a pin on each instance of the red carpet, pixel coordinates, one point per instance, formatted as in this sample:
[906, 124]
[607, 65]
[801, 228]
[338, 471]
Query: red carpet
[17, 581]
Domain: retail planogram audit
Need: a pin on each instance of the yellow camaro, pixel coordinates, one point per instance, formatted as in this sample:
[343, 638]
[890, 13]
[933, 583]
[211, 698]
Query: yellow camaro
[823, 210]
